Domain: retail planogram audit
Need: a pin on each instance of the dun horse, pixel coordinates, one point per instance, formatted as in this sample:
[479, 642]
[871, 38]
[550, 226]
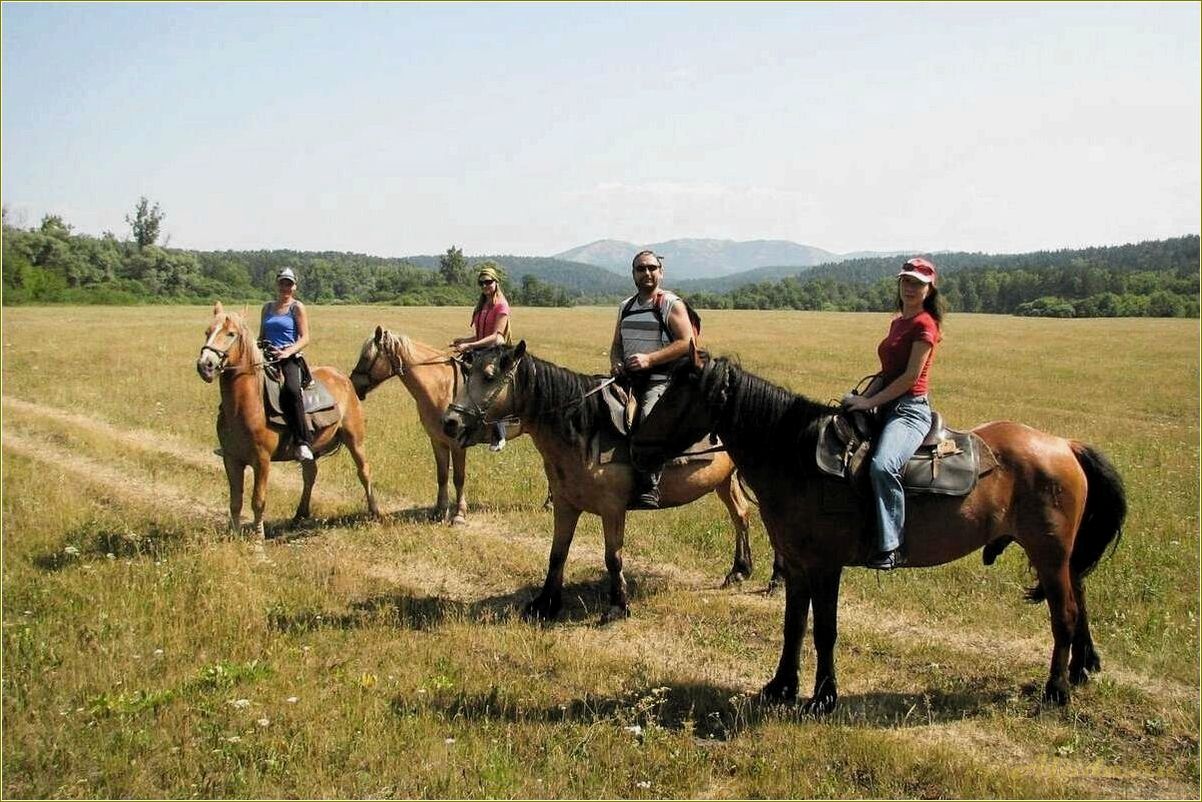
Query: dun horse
[558, 411]
[432, 378]
[242, 428]
[1060, 500]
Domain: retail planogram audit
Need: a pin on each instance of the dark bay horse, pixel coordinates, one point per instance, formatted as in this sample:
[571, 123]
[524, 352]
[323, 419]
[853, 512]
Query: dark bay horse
[558, 411]
[431, 377]
[246, 438]
[1060, 500]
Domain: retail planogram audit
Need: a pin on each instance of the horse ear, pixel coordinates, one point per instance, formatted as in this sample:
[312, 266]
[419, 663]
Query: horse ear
[217, 308]
[379, 334]
[519, 350]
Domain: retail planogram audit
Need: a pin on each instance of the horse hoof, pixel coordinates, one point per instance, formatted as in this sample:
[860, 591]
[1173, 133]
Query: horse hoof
[819, 706]
[540, 610]
[779, 692]
[773, 587]
[616, 612]
[459, 520]
[1078, 676]
[734, 578]
[1055, 695]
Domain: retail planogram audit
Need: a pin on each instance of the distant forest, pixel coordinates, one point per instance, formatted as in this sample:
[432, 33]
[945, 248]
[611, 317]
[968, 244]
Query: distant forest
[50, 263]
[1149, 279]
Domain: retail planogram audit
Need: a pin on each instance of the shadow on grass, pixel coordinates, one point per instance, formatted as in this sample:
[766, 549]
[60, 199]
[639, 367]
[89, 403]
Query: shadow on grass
[98, 540]
[582, 602]
[709, 711]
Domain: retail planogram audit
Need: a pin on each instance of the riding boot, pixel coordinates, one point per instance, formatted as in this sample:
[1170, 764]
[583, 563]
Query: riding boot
[646, 490]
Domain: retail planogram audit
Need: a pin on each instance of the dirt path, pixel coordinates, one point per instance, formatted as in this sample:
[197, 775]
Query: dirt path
[641, 639]
[143, 488]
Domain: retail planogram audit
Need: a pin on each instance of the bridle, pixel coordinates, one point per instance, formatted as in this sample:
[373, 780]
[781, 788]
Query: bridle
[477, 414]
[224, 356]
[396, 364]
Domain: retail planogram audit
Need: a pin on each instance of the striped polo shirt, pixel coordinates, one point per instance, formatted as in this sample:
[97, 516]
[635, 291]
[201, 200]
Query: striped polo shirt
[641, 332]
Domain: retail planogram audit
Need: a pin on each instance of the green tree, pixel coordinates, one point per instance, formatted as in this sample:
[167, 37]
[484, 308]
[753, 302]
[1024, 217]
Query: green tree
[453, 266]
[145, 222]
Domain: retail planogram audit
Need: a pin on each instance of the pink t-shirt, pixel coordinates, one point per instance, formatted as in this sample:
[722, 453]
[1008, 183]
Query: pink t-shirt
[895, 349]
[486, 320]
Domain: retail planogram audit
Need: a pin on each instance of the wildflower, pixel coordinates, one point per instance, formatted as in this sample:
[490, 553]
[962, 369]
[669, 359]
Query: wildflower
[158, 652]
[241, 704]
[449, 741]
[634, 729]
[643, 784]
[71, 551]
[234, 739]
[263, 722]
[292, 700]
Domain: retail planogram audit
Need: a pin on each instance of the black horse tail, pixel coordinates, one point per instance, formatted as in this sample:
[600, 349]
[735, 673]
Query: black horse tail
[1102, 521]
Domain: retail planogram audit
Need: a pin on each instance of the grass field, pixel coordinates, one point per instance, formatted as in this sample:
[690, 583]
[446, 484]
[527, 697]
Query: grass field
[147, 653]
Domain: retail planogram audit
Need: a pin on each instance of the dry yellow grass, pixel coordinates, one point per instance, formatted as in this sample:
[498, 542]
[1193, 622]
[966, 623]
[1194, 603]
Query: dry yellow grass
[147, 654]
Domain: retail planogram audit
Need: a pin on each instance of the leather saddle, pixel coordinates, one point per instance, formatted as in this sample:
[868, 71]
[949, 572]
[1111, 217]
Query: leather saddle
[947, 463]
[612, 443]
[320, 407]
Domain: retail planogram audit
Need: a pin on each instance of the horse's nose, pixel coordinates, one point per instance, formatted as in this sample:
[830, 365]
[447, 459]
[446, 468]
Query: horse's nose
[205, 370]
[450, 425]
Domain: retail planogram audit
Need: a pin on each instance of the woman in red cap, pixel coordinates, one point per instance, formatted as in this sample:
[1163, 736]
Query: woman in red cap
[899, 392]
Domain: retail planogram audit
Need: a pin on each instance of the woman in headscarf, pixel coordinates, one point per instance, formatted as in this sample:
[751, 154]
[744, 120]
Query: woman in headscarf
[490, 320]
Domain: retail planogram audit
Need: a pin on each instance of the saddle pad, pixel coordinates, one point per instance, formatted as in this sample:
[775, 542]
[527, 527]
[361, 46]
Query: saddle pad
[949, 469]
[320, 406]
[606, 447]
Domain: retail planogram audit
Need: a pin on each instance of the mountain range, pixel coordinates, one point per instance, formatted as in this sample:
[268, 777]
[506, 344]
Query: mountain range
[692, 259]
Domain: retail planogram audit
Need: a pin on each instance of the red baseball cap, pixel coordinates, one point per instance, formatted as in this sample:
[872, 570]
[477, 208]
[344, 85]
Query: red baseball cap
[920, 269]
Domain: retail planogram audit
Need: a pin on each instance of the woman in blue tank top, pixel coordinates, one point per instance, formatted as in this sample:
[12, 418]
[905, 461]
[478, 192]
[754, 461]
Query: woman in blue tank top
[284, 332]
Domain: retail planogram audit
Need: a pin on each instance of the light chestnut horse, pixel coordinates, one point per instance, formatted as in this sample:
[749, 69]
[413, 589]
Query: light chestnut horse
[431, 377]
[230, 351]
[1060, 500]
[559, 410]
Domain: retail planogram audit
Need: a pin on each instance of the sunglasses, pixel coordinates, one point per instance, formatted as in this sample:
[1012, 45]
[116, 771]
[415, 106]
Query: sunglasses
[486, 282]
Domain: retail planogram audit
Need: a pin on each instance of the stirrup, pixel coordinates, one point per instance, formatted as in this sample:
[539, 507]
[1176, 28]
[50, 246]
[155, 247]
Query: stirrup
[887, 560]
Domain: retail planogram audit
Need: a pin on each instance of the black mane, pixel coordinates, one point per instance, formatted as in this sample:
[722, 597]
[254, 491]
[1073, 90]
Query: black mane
[553, 396]
[772, 426]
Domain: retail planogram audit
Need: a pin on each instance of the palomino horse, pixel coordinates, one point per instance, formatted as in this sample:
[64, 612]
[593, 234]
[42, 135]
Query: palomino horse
[247, 439]
[1061, 500]
[559, 411]
[432, 378]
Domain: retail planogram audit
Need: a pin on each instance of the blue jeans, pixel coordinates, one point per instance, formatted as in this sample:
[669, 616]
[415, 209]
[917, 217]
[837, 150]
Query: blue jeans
[907, 421]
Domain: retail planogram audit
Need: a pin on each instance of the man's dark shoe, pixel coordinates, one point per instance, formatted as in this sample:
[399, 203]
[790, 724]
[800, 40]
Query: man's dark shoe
[646, 491]
[646, 501]
[887, 560]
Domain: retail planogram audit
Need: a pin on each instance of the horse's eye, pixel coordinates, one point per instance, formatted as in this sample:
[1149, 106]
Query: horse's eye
[229, 334]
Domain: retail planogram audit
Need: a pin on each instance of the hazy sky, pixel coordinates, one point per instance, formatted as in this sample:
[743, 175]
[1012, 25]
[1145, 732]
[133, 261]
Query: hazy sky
[529, 129]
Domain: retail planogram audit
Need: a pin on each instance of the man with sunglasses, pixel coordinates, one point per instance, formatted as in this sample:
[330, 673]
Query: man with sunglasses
[652, 334]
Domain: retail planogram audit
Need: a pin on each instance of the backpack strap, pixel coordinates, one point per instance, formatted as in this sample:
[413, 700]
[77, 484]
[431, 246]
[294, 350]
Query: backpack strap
[629, 310]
